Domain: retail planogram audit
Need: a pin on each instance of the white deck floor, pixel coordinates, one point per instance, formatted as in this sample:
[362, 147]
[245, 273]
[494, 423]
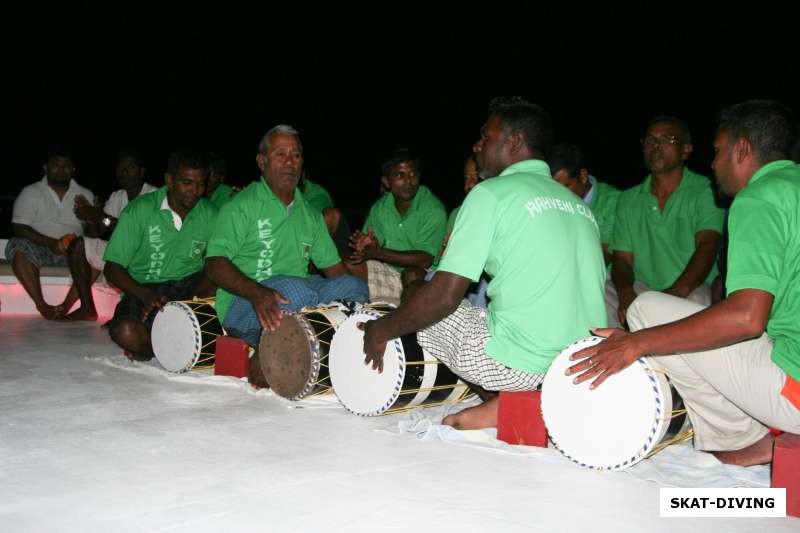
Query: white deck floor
[90, 442]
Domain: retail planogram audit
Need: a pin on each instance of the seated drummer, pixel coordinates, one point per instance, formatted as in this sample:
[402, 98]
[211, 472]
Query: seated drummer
[405, 228]
[155, 254]
[737, 363]
[541, 246]
[261, 248]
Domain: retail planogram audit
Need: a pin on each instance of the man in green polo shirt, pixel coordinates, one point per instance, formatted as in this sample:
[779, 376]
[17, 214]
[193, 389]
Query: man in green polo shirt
[405, 228]
[569, 169]
[334, 219]
[218, 192]
[668, 230]
[156, 252]
[541, 246]
[737, 363]
[264, 239]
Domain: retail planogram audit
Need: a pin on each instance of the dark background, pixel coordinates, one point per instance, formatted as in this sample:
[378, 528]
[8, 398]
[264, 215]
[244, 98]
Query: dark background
[351, 103]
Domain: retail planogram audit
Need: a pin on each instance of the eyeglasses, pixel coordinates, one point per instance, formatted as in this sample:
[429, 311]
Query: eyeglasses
[652, 142]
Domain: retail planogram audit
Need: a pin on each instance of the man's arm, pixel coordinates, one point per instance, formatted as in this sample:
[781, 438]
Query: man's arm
[431, 303]
[706, 246]
[26, 232]
[411, 258]
[118, 276]
[622, 277]
[265, 300]
[742, 316]
[335, 270]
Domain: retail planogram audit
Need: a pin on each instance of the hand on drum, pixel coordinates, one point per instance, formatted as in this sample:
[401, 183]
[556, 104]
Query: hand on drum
[152, 302]
[373, 348]
[617, 352]
[265, 302]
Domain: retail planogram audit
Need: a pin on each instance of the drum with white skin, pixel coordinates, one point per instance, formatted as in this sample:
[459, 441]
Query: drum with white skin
[184, 335]
[630, 416]
[410, 378]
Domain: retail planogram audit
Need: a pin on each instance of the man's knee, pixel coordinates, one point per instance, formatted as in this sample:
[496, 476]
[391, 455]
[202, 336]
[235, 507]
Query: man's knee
[352, 288]
[127, 333]
[76, 250]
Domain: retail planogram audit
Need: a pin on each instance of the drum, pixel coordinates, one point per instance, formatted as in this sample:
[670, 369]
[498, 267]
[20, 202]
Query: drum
[294, 358]
[184, 335]
[632, 415]
[410, 377]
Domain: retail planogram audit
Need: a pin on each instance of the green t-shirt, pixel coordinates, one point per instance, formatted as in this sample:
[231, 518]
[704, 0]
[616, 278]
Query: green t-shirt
[764, 253]
[265, 238]
[317, 196]
[420, 228]
[663, 243]
[146, 243]
[541, 246]
[222, 195]
[604, 206]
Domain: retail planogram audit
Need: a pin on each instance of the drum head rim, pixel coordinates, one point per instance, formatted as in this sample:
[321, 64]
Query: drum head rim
[657, 428]
[196, 332]
[398, 383]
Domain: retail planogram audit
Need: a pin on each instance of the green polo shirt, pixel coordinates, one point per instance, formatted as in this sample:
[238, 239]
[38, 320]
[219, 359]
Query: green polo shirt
[317, 196]
[603, 202]
[451, 221]
[265, 238]
[420, 228]
[663, 243]
[222, 195]
[146, 243]
[541, 246]
[764, 253]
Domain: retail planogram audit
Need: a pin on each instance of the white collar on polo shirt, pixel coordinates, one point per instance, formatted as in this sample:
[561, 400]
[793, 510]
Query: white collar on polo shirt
[177, 221]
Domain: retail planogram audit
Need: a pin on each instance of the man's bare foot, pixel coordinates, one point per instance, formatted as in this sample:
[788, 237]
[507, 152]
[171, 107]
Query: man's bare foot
[758, 453]
[478, 417]
[81, 314]
[255, 375]
[48, 312]
[137, 356]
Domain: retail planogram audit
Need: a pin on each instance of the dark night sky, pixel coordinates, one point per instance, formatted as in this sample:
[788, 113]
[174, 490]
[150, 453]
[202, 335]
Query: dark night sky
[351, 103]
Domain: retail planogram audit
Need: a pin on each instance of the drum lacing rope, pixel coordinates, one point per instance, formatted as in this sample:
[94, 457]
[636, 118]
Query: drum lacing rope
[677, 439]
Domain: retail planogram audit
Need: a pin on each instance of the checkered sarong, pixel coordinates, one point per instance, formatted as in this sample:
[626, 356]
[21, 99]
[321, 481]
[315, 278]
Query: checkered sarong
[385, 284]
[39, 255]
[459, 341]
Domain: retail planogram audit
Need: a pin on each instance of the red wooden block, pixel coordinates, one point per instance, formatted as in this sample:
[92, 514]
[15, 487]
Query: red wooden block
[519, 418]
[232, 357]
[786, 470]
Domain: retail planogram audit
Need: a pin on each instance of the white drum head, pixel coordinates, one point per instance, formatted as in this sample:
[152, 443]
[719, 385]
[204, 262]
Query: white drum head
[361, 389]
[176, 337]
[608, 428]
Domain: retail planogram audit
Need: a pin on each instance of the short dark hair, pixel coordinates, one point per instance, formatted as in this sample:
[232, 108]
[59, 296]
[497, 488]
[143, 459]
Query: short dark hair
[568, 157]
[131, 153]
[686, 135]
[186, 158]
[397, 156]
[768, 125]
[519, 115]
[59, 150]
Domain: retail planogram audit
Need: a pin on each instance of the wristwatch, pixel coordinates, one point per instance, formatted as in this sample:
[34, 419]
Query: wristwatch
[106, 222]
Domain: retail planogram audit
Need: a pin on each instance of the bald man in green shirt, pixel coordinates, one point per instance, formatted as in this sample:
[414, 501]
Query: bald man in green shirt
[668, 230]
[737, 363]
